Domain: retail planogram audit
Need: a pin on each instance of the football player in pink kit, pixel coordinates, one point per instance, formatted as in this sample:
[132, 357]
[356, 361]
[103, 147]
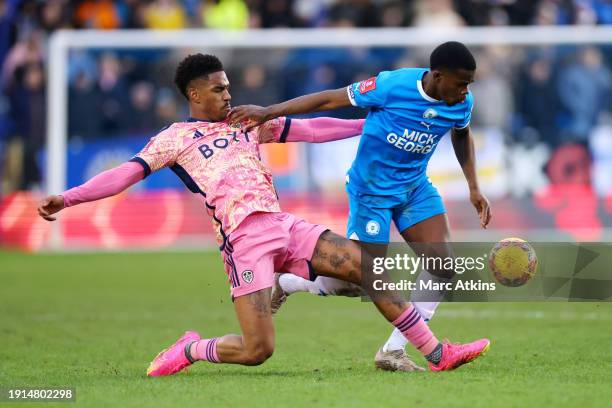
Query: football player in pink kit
[222, 163]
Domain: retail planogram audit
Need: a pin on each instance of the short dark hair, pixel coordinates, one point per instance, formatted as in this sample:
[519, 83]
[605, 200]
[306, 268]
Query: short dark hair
[452, 55]
[193, 67]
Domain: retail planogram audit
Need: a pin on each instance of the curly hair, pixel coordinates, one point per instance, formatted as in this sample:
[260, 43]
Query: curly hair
[193, 67]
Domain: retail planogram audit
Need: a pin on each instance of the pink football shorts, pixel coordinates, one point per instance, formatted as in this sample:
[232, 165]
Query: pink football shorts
[265, 243]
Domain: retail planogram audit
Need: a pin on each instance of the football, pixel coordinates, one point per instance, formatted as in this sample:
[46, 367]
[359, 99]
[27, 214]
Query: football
[513, 262]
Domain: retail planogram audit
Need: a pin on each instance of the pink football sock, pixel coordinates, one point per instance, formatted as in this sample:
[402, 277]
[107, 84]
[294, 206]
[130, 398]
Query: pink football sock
[414, 328]
[205, 349]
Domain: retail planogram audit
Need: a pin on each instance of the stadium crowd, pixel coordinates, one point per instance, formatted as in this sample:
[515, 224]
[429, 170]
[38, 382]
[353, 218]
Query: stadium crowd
[113, 94]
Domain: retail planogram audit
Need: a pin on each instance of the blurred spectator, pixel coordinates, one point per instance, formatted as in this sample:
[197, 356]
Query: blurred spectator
[55, 14]
[537, 101]
[584, 12]
[492, 95]
[81, 61]
[101, 14]
[477, 13]
[84, 119]
[495, 12]
[166, 109]
[142, 109]
[192, 10]
[311, 13]
[28, 18]
[165, 15]
[226, 14]
[583, 87]
[27, 97]
[394, 14]
[520, 12]
[113, 95]
[275, 13]
[436, 13]
[321, 78]
[253, 87]
[551, 12]
[8, 16]
[300, 75]
[133, 13]
[22, 110]
[603, 9]
[347, 13]
[27, 51]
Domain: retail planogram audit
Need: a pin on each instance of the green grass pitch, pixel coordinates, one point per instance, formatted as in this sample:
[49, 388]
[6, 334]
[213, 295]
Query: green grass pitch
[94, 321]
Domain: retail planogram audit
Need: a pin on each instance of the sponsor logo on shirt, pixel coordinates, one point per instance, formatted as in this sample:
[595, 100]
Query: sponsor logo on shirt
[427, 125]
[208, 149]
[414, 141]
[367, 85]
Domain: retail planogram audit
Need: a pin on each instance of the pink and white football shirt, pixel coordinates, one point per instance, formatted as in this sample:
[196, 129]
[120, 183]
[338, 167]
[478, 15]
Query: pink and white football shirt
[220, 162]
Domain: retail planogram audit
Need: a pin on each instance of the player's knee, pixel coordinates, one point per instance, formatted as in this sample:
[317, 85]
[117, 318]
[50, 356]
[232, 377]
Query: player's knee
[259, 353]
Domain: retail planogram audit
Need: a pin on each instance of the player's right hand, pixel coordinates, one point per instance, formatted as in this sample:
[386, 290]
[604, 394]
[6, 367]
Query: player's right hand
[483, 207]
[249, 116]
[50, 205]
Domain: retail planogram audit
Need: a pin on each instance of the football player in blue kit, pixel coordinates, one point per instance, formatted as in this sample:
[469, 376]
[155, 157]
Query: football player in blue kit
[410, 110]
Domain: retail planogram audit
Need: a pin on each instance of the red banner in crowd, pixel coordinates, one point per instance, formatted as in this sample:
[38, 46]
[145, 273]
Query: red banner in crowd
[170, 218]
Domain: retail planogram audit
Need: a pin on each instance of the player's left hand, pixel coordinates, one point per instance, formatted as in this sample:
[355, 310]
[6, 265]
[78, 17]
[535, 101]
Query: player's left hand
[50, 205]
[483, 207]
[250, 115]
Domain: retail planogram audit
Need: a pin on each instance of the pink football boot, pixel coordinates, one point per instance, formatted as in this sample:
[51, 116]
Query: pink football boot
[173, 359]
[455, 355]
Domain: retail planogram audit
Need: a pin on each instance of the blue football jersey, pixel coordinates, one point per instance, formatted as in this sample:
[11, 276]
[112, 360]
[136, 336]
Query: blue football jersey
[401, 131]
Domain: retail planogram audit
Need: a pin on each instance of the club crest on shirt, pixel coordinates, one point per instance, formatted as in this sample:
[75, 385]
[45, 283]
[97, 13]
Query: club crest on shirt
[367, 85]
[372, 227]
[247, 276]
[430, 113]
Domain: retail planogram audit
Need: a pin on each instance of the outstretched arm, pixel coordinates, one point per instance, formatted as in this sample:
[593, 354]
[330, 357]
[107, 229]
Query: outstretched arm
[105, 184]
[317, 130]
[463, 144]
[315, 102]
